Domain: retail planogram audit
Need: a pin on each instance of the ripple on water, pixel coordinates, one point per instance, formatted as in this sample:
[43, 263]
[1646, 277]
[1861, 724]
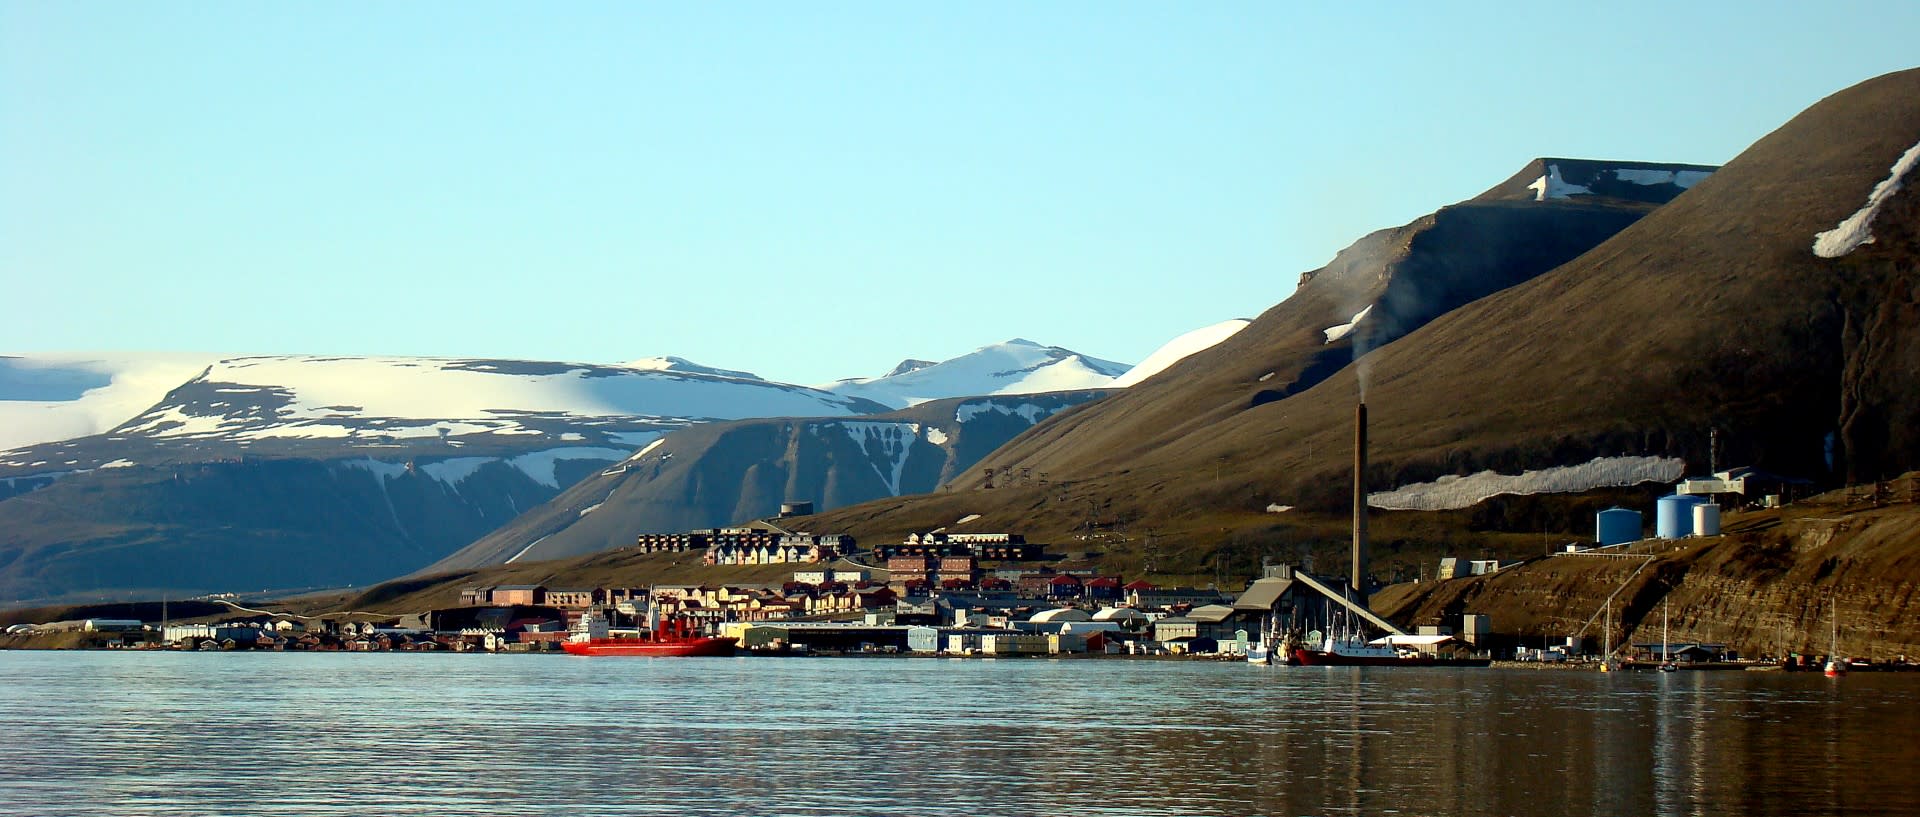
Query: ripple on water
[336, 734]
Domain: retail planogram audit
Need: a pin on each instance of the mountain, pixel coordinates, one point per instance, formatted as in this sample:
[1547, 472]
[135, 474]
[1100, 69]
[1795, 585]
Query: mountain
[724, 473]
[1384, 286]
[1178, 349]
[1018, 366]
[1518, 334]
[303, 470]
[296, 471]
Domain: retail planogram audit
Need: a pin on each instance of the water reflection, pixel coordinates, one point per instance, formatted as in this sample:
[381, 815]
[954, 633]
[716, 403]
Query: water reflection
[259, 734]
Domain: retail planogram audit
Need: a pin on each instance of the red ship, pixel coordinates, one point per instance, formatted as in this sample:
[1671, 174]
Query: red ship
[671, 638]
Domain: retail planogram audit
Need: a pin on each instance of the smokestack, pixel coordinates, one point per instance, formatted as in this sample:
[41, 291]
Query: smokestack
[1360, 502]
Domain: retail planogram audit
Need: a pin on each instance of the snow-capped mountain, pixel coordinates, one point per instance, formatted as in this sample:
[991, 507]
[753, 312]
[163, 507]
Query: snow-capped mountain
[50, 397]
[1178, 349]
[120, 472]
[394, 398]
[92, 411]
[669, 363]
[1018, 366]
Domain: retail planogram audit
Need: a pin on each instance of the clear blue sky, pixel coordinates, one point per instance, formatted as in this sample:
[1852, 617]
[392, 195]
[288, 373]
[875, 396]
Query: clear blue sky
[807, 191]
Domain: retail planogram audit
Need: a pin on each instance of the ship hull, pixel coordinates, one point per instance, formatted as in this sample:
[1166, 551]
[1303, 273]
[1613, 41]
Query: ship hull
[644, 648]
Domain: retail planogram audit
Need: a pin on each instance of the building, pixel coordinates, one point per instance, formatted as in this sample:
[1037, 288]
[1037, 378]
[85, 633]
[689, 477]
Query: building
[1102, 589]
[761, 543]
[1175, 628]
[980, 546]
[1744, 484]
[673, 542]
[193, 635]
[928, 639]
[570, 598]
[111, 625]
[1289, 602]
[1155, 598]
[529, 595]
[763, 548]
[1012, 643]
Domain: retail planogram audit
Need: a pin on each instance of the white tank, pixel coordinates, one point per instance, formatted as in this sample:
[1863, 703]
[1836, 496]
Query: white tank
[1706, 519]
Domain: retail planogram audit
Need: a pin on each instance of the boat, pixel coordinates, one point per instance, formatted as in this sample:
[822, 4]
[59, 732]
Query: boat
[1835, 666]
[667, 638]
[1606, 641]
[1352, 651]
[1666, 659]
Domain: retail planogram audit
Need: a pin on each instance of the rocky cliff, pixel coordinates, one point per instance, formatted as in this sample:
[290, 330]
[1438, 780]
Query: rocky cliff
[1777, 582]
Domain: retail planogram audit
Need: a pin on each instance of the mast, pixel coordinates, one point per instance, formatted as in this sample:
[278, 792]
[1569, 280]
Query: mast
[1663, 630]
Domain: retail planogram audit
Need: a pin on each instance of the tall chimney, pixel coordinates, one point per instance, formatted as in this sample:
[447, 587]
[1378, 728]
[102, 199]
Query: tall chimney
[1360, 502]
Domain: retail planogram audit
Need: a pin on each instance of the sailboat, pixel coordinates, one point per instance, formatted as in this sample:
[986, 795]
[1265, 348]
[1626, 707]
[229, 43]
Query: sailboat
[1606, 641]
[1835, 667]
[1666, 659]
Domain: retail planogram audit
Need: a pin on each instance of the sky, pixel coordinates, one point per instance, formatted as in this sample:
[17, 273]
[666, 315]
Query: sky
[807, 191]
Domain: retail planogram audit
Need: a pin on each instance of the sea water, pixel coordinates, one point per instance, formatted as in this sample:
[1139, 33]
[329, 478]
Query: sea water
[151, 733]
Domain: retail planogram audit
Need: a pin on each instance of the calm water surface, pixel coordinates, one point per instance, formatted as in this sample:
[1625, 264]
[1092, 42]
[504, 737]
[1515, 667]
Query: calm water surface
[103, 733]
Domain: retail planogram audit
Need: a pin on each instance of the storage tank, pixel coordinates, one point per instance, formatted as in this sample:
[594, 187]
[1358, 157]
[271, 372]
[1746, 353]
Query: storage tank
[1673, 516]
[1616, 526]
[1706, 519]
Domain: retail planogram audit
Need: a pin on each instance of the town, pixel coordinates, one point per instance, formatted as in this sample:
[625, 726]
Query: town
[966, 594]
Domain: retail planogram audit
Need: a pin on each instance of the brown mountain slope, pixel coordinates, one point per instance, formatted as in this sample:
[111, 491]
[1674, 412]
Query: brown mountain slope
[1710, 313]
[1405, 277]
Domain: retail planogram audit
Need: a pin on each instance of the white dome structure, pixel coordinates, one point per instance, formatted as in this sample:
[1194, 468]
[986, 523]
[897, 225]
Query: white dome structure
[1060, 614]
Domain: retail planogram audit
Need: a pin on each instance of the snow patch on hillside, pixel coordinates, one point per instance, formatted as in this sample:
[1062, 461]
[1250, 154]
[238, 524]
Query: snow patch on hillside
[1455, 492]
[383, 470]
[1551, 186]
[1337, 332]
[1856, 229]
[537, 465]
[936, 436]
[1016, 367]
[658, 441]
[888, 444]
[669, 363]
[1683, 179]
[1179, 349]
[1031, 412]
[456, 470]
